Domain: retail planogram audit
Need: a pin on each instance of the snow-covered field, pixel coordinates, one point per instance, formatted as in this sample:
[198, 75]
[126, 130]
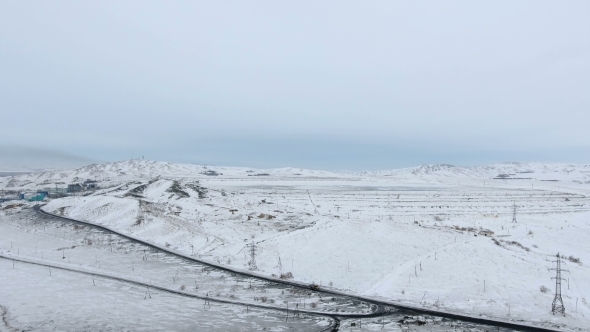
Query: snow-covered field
[410, 235]
[97, 251]
[64, 301]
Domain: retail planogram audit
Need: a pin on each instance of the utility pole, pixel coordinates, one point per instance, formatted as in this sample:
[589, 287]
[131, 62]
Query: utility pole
[514, 213]
[252, 263]
[314, 208]
[557, 305]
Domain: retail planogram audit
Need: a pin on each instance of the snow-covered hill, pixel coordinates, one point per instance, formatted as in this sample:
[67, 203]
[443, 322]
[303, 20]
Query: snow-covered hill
[578, 173]
[110, 174]
[426, 235]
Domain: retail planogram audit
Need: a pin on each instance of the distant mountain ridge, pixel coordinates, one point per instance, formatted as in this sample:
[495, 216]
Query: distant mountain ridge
[131, 170]
[512, 170]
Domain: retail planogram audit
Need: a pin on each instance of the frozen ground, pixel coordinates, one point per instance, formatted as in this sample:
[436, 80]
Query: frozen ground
[58, 242]
[28, 237]
[65, 301]
[405, 235]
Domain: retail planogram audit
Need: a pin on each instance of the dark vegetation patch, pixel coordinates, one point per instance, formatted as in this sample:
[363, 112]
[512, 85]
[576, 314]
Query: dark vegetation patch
[573, 259]
[465, 229]
[175, 188]
[61, 211]
[517, 244]
[286, 275]
[137, 191]
[266, 216]
[201, 191]
[12, 206]
[407, 320]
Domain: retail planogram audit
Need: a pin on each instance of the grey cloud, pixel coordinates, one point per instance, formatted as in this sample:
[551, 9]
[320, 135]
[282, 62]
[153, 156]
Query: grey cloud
[27, 158]
[430, 81]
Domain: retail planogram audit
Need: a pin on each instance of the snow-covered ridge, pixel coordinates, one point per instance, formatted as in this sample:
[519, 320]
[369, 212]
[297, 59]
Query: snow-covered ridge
[514, 170]
[131, 170]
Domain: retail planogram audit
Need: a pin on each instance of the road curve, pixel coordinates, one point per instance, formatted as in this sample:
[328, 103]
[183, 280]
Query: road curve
[380, 311]
[28, 260]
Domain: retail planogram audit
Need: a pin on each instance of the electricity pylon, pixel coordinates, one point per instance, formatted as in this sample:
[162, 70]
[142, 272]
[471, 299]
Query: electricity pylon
[280, 267]
[557, 305]
[514, 212]
[314, 208]
[252, 263]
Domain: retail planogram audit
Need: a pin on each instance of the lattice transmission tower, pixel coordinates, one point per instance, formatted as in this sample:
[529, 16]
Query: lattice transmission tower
[557, 305]
[252, 264]
[514, 212]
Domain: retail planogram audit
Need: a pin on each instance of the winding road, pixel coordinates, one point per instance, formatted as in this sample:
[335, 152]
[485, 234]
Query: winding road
[380, 306]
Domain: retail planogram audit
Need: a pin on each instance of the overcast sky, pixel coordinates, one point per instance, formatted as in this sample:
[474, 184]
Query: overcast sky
[342, 85]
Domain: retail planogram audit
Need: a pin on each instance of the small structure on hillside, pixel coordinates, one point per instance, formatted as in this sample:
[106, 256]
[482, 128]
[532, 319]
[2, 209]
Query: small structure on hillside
[37, 198]
[75, 187]
[86, 185]
[90, 184]
[32, 197]
[57, 192]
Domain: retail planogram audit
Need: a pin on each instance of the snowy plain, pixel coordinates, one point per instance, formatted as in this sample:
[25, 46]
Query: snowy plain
[411, 235]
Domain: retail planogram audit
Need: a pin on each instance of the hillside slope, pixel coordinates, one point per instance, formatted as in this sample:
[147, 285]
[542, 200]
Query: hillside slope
[415, 235]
